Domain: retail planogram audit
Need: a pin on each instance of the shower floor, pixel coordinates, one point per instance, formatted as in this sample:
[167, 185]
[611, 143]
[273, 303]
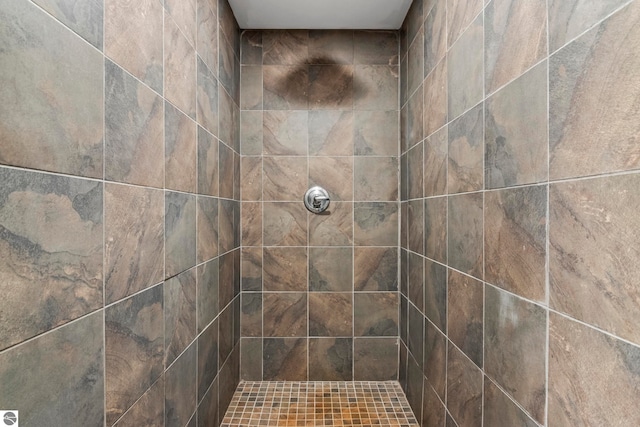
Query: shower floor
[353, 403]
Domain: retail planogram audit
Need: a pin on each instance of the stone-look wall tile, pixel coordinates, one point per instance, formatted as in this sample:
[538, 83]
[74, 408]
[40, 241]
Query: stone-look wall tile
[251, 315]
[334, 174]
[516, 137]
[251, 129]
[285, 314]
[226, 225]
[209, 408]
[593, 229]
[433, 411]
[330, 269]
[180, 232]
[464, 70]
[515, 343]
[251, 48]
[375, 314]
[228, 379]
[66, 92]
[207, 358]
[207, 228]
[226, 280]
[415, 223]
[208, 285]
[466, 150]
[180, 150]
[34, 372]
[285, 224]
[225, 336]
[464, 233]
[435, 293]
[465, 312]
[375, 359]
[330, 87]
[375, 269]
[179, 314]
[435, 31]
[183, 14]
[593, 378]
[330, 47]
[500, 411]
[592, 91]
[515, 240]
[207, 98]
[133, 38]
[375, 47]
[285, 87]
[285, 133]
[251, 84]
[179, 65]
[414, 21]
[415, 171]
[284, 178]
[134, 146]
[435, 358]
[330, 314]
[376, 224]
[251, 269]
[51, 248]
[402, 368]
[251, 359]
[375, 133]
[226, 107]
[227, 63]
[148, 410]
[415, 58]
[435, 163]
[330, 133]
[285, 269]
[251, 223]
[134, 239]
[334, 227]
[436, 95]
[416, 280]
[568, 19]
[84, 18]
[515, 39]
[285, 47]
[415, 335]
[207, 34]
[285, 359]
[180, 389]
[464, 389]
[330, 359]
[134, 346]
[449, 421]
[228, 26]
[225, 170]
[460, 13]
[435, 229]
[414, 387]
[208, 180]
[415, 117]
[375, 87]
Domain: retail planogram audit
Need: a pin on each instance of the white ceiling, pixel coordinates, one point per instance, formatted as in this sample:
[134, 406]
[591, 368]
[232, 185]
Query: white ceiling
[320, 14]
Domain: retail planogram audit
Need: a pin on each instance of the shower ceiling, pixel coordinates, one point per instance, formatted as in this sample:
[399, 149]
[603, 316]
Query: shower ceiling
[320, 14]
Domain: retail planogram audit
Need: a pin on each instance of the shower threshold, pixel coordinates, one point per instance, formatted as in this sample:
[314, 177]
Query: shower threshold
[319, 403]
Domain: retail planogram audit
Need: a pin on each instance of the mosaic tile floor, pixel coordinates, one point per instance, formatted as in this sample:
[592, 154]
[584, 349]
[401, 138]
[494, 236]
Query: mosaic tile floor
[358, 403]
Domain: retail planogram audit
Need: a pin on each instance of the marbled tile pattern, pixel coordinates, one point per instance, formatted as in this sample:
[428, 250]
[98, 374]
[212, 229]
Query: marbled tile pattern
[465, 315]
[285, 269]
[330, 269]
[435, 163]
[330, 359]
[285, 314]
[464, 389]
[85, 18]
[460, 13]
[180, 150]
[179, 314]
[179, 67]
[180, 389]
[285, 359]
[464, 233]
[148, 410]
[500, 411]
[466, 148]
[436, 107]
[180, 232]
[331, 133]
[330, 314]
[375, 269]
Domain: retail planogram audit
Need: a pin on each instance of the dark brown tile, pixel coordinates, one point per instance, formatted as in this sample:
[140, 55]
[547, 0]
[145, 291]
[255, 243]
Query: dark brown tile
[460, 13]
[375, 359]
[375, 269]
[228, 25]
[330, 269]
[285, 224]
[584, 365]
[500, 410]
[330, 314]
[207, 291]
[209, 409]
[330, 133]
[593, 229]
[225, 336]
[331, 47]
[376, 224]
[516, 138]
[596, 67]
[414, 387]
[148, 411]
[133, 38]
[43, 364]
[226, 224]
[228, 65]
[330, 359]
[435, 31]
[436, 95]
[334, 227]
[207, 34]
[340, 171]
[67, 91]
[514, 355]
[134, 146]
[133, 339]
[285, 269]
[285, 87]
[251, 359]
[285, 133]
[207, 98]
[226, 112]
[285, 178]
[330, 87]
[435, 229]
[415, 171]
[415, 116]
[251, 83]
[375, 87]
[433, 411]
[435, 358]
[465, 77]
[207, 358]
[225, 170]
[464, 233]
[415, 226]
[180, 64]
[435, 293]
[435, 163]
[416, 280]
[180, 389]
[515, 240]
[251, 223]
[251, 314]
[465, 314]
[414, 20]
[464, 389]
[251, 269]
[179, 150]
[251, 130]
[375, 314]
[376, 133]
[415, 62]
[285, 314]
[466, 151]
[415, 336]
[180, 232]
[285, 359]
[208, 181]
[179, 314]
[207, 228]
[285, 47]
[375, 47]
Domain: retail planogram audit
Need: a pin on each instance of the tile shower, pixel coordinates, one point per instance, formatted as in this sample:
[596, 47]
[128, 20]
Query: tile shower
[155, 251]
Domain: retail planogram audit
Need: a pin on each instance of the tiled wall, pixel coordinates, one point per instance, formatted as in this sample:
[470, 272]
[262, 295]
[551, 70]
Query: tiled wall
[520, 189]
[119, 211]
[319, 292]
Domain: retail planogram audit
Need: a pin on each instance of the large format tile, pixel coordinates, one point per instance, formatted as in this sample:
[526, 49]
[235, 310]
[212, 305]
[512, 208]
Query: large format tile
[285, 269]
[330, 314]
[207, 98]
[435, 163]
[284, 132]
[334, 174]
[375, 314]
[435, 229]
[285, 359]
[501, 411]
[285, 87]
[593, 252]
[207, 163]
[179, 66]
[331, 87]
[460, 13]
[207, 33]
[464, 389]
[285, 224]
[334, 227]
[464, 233]
[179, 314]
[251, 314]
[330, 269]
[51, 262]
[180, 389]
[376, 224]
[375, 47]
[435, 359]
[207, 358]
[436, 106]
[331, 133]
[375, 87]
[284, 178]
[376, 133]
[85, 18]
[466, 151]
[374, 269]
[148, 411]
[330, 359]
[331, 46]
[208, 288]
[465, 315]
[180, 232]
[180, 150]
[375, 359]
[593, 90]
[433, 410]
[285, 314]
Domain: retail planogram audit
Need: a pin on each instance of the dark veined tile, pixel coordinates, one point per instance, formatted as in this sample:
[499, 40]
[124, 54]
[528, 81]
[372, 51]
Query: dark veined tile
[180, 389]
[284, 269]
[375, 269]
[330, 269]
[465, 311]
[179, 314]
[375, 314]
[180, 150]
[285, 314]
[375, 359]
[500, 410]
[148, 411]
[330, 359]
[180, 232]
[464, 389]
[330, 314]
[465, 234]
[285, 359]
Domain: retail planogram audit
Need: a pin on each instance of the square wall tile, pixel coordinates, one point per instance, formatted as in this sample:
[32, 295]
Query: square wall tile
[285, 314]
[285, 269]
[330, 314]
[180, 232]
[375, 269]
[285, 359]
[375, 359]
[375, 314]
[331, 269]
[330, 359]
